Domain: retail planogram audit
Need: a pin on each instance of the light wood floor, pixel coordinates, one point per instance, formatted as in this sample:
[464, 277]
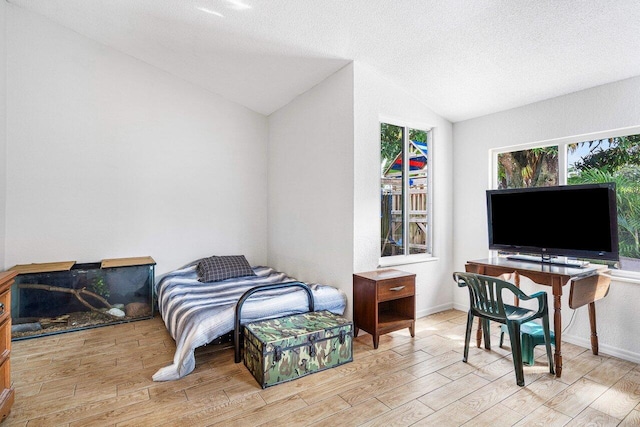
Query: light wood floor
[102, 377]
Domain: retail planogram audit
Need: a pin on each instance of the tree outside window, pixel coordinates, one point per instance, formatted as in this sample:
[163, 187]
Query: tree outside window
[614, 160]
[536, 167]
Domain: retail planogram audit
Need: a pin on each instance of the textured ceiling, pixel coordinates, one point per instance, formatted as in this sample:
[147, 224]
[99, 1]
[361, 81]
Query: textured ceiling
[462, 58]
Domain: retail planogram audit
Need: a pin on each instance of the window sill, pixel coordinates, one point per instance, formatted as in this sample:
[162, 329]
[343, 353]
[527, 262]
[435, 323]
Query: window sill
[403, 260]
[625, 276]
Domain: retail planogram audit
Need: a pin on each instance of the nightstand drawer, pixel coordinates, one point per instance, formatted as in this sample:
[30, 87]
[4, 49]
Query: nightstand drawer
[395, 288]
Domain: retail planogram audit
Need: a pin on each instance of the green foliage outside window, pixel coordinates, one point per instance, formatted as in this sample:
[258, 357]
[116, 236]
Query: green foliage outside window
[610, 154]
[536, 167]
[615, 160]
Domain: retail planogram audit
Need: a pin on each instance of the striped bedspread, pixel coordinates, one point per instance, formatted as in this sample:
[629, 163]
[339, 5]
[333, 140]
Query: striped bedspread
[196, 313]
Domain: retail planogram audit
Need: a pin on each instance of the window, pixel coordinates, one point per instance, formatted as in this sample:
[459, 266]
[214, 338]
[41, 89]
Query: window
[404, 196]
[606, 159]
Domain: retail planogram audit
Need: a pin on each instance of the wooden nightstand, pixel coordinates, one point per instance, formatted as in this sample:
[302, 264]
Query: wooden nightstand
[6, 391]
[384, 301]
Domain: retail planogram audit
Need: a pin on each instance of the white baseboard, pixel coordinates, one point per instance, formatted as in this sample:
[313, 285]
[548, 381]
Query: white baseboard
[464, 308]
[433, 310]
[602, 348]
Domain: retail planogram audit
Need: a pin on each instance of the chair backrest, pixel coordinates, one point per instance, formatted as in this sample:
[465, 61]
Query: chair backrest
[485, 293]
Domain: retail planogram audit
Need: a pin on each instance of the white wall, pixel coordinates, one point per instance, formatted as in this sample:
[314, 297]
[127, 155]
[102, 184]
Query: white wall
[324, 178]
[376, 99]
[602, 108]
[3, 128]
[311, 184]
[110, 157]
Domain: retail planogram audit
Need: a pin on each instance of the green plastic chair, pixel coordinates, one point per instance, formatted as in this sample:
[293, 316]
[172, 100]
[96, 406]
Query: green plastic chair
[486, 302]
[531, 335]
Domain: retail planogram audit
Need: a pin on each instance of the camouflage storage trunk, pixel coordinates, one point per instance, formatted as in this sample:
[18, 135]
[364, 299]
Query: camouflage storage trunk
[286, 348]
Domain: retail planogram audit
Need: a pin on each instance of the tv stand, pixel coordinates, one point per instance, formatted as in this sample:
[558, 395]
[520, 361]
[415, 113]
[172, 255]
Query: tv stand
[547, 260]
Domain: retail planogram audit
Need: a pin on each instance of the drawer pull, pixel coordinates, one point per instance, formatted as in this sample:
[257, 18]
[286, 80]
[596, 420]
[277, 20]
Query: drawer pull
[397, 288]
[1, 309]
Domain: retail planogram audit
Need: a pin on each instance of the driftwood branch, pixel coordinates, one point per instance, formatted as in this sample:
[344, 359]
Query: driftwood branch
[78, 293]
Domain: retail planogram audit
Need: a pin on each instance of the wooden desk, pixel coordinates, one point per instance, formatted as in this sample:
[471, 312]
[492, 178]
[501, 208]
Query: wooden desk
[587, 286]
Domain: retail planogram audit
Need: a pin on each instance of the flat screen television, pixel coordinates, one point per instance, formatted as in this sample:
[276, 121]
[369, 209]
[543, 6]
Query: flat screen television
[578, 221]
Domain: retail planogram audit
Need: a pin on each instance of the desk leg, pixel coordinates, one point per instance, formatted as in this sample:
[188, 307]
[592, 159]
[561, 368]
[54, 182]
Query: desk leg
[594, 334]
[557, 324]
[479, 333]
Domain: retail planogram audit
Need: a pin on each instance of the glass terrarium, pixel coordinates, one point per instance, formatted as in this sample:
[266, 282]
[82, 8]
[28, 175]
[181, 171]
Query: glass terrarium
[60, 297]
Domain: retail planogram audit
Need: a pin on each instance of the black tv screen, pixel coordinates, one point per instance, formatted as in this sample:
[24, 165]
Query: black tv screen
[573, 220]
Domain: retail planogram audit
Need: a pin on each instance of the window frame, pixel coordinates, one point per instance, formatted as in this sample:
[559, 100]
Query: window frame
[407, 258]
[562, 143]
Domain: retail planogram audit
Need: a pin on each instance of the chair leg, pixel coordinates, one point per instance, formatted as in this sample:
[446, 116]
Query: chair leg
[501, 337]
[487, 334]
[547, 341]
[467, 336]
[516, 351]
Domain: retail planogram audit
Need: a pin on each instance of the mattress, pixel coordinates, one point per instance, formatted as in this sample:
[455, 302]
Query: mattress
[197, 313]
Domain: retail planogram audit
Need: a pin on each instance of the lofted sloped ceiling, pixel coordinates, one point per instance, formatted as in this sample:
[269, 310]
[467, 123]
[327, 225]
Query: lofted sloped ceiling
[463, 58]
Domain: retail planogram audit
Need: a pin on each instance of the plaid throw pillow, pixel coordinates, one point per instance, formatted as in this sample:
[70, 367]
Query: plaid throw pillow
[216, 268]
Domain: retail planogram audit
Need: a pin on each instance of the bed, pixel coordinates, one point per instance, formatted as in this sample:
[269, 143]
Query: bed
[197, 313]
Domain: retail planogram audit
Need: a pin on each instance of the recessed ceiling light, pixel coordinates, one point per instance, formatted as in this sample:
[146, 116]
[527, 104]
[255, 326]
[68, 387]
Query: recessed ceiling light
[212, 12]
